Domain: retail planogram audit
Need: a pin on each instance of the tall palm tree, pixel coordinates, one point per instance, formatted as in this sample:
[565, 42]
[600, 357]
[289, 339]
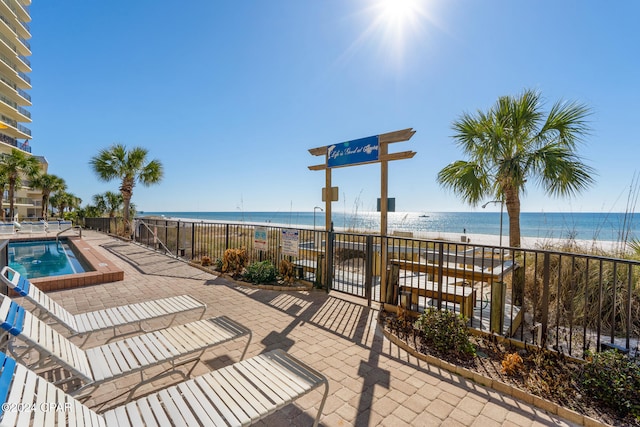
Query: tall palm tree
[3, 186]
[513, 144]
[15, 165]
[48, 183]
[130, 166]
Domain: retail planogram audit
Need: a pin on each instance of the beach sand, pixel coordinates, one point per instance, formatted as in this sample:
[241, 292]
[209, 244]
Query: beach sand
[588, 246]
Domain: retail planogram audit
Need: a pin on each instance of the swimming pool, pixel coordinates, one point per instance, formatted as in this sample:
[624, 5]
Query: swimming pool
[45, 258]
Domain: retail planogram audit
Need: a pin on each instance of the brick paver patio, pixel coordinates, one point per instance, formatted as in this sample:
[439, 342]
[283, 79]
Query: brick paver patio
[371, 381]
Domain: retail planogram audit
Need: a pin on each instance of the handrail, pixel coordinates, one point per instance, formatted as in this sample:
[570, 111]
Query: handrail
[156, 239]
[67, 229]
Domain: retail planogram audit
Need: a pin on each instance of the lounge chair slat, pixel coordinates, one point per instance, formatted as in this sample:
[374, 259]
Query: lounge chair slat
[151, 345]
[127, 351]
[176, 339]
[218, 401]
[121, 416]
[158, 410]
[172, 410]
[49, 416]
[183, 405]
[200, 404]
[111, 418]
[116, 363]
[140, 351]
[146, 414]
[227, 397]
[28, 396]
[133, 414]
[41, 397]
[273, 380]
[248, 397]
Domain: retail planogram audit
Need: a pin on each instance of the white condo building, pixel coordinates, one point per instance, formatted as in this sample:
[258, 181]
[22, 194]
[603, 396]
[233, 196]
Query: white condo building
[15, 99]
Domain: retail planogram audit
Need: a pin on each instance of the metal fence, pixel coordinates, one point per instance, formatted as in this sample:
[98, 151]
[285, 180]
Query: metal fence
[568, 301]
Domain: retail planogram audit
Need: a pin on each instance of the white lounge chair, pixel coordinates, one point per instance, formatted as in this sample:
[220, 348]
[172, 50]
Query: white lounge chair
[38, 227]
[94, 366]
[84, 324]
[52, 226]
[238, 394]
[7, 228]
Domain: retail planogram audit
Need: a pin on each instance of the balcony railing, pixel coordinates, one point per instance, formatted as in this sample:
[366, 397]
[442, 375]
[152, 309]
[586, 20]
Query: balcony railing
[23, 94]
[25, 147]
[25, 60]
[24, 111]
[24, 129]
[25, 43]
[24, 77]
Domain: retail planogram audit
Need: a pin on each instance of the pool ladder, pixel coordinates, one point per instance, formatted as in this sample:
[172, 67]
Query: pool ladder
[70, 228]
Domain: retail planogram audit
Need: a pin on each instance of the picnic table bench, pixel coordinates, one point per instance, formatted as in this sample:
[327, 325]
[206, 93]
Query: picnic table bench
[465, 296]
[474, 274]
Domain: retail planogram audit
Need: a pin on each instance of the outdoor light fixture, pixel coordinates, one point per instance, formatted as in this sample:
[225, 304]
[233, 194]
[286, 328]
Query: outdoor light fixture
[501, 214]
[314, 215]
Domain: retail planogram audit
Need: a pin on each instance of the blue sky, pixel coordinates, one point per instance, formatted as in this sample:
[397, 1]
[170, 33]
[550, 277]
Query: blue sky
[230, 95]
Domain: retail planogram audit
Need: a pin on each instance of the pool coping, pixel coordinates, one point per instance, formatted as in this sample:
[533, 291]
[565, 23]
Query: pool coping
[104, 271]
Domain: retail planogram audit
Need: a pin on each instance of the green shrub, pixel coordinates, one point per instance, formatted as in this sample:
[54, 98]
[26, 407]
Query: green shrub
[261, 272]
[614, 379]
[446, 332]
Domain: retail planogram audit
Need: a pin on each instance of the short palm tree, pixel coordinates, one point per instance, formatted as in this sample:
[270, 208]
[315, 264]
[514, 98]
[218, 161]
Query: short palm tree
[14, 166]
[108, 202]
[130, 166]
[513, 144]
[48, 183]
[63, 201]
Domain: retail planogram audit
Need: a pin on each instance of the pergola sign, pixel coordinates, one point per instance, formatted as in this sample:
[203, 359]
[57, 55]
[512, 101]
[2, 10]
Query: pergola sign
[372, 149]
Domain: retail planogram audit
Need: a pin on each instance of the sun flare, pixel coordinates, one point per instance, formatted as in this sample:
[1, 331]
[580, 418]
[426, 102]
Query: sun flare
[399, 22]
[399, 12]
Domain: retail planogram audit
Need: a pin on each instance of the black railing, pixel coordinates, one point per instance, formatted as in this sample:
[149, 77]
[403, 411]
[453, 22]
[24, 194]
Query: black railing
[568, 301]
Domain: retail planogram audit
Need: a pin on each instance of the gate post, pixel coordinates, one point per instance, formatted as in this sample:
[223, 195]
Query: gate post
[368, 273]
[329, 259]
[546, 279]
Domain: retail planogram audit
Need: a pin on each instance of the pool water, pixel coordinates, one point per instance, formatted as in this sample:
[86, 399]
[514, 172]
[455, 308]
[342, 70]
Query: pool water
[44, 258]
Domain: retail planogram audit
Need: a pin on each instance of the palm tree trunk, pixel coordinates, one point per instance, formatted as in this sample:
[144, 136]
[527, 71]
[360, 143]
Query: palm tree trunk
[126, 201]
[512, 199]
[126, 189]
[11, 192]
[45, 207]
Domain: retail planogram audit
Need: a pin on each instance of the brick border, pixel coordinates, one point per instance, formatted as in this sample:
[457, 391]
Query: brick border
[516, 393]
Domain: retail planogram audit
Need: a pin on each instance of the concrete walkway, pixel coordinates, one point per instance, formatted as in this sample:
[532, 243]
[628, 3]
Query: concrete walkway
[372, 382]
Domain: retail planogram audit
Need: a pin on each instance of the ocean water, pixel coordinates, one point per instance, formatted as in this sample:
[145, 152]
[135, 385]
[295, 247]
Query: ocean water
[583, 226]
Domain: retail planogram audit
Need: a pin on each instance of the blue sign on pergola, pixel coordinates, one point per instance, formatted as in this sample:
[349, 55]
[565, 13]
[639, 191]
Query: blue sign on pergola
[363, 150]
